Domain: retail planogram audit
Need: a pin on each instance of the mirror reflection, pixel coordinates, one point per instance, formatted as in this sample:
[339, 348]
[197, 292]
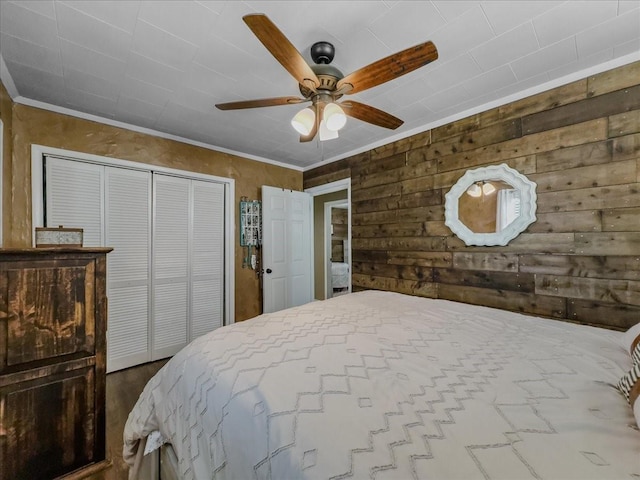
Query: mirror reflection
[489, 206]
[340, 278]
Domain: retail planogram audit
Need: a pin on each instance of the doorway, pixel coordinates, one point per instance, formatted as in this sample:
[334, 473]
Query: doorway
[337, 248]
[339, 193]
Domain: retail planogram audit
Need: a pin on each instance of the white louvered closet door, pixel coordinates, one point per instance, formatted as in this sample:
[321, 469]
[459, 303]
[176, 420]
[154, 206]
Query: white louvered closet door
[128, 231]
[74, 198]
[188, 261]
[166, 271]
[207, 257]
[170, 264]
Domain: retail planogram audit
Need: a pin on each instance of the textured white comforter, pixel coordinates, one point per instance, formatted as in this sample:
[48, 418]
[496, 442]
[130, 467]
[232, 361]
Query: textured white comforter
[388, 386]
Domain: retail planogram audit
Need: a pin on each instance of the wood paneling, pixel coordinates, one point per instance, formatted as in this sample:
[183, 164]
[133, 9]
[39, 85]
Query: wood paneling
[485, 261]
[611, 266]
[617, 79]
[617, 173]
[594, 107]
[596, 313]
[575, 221]
[568, 158]
[579, 261]
[620, 219]
[625, 292]
[624, 123]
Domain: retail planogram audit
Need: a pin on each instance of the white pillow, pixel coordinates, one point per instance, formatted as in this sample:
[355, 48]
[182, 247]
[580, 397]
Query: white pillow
[629, 338]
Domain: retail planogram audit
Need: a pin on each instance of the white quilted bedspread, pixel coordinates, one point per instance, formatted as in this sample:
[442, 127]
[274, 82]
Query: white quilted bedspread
[388, 386]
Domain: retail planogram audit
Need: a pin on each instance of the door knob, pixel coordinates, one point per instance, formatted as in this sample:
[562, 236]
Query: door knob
[269, 270]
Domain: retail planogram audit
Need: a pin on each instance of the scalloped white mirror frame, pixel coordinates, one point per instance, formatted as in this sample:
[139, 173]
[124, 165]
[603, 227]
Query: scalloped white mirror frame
[502, 172]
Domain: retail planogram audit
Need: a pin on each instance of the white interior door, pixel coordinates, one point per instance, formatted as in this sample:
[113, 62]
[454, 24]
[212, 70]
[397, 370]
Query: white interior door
[287, 248]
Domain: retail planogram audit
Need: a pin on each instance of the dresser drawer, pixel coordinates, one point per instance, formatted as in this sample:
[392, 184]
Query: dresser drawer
[47, 310]
[47, 425]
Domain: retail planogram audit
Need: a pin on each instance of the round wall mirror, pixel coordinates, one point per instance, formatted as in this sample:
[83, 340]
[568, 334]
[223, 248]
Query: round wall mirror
[490, 205]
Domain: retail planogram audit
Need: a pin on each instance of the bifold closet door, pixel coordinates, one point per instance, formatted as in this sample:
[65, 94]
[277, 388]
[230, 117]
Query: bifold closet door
[207, 258]
[166, 271]
[170, 264]
[113, 207]
[128, 231]
[188, 261]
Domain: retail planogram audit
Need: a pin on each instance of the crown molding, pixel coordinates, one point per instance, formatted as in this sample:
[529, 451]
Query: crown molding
[148, 131]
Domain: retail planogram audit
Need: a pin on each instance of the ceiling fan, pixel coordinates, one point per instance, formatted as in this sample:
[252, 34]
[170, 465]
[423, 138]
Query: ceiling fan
[322, 84]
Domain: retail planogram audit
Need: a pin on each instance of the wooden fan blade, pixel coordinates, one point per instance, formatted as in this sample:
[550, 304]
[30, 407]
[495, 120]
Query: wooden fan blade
[264, 102]
[388, 68]
[370, 114]
[282, 49]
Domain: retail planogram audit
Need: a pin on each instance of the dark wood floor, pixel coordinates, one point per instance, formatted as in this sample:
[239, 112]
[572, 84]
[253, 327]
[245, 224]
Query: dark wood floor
[123, 389]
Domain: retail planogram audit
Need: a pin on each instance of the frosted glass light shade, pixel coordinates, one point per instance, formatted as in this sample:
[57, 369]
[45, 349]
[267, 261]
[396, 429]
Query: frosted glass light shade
[334, 117]
[488, 188]
[303, 121]
[474, 190]
[326, 133]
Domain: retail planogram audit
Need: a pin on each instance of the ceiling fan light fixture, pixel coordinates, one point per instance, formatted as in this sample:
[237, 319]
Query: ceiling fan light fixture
[488, 188]
[326, 133]
[481, 188]
[474, 190]
[334, 117]
[303, 121]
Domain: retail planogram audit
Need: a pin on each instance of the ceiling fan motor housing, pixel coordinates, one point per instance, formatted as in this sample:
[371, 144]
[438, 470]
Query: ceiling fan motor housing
[322, 52]
[328, 76]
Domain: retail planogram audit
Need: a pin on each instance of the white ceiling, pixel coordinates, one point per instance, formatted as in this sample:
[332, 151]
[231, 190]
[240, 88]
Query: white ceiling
[162, 65]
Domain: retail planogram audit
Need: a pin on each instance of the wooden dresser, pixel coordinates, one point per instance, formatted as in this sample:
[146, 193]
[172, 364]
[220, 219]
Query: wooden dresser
[53, 315]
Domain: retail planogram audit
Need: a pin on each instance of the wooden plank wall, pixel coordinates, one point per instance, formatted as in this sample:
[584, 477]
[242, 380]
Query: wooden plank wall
[339, 220]
[579, 261]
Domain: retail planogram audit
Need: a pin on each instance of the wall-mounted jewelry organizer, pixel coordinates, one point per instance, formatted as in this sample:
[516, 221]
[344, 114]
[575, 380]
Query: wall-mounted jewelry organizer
[250, 231]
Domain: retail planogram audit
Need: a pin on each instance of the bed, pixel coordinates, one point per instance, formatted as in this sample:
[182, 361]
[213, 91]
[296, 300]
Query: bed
[384, 385]
[339, 275]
